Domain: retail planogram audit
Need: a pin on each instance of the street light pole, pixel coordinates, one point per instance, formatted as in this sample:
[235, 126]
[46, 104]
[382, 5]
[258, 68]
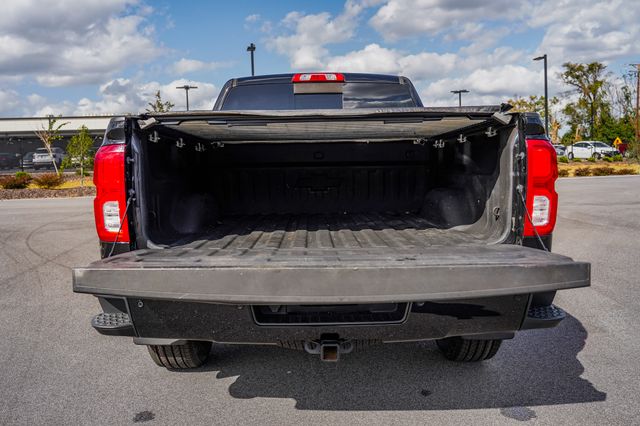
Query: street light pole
[252, 48]
[459, 93]
[546, 93]
[186, 88]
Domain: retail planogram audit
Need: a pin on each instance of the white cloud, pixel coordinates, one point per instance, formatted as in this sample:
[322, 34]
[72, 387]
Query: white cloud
[9, 100]
[121, 96]
[376, 59]
[252, 18]
[487, 86]
[186, 66]
[308, 35]
[65, 42]
[406, 18]
[588, 30]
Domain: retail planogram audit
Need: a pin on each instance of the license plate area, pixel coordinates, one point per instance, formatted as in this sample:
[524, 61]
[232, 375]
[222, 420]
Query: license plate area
[352, 314]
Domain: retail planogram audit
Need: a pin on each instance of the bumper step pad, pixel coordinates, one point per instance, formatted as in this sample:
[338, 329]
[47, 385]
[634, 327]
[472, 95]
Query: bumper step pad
[113, 324]
[543, 317]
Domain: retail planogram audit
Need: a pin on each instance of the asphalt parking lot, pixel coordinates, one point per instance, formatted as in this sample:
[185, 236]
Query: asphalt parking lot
[56, 370]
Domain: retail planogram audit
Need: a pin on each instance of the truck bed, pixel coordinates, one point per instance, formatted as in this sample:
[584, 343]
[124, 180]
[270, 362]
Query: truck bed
[316, 259]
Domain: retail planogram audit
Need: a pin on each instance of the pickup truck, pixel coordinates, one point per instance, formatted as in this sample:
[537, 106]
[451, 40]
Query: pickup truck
[325, 212]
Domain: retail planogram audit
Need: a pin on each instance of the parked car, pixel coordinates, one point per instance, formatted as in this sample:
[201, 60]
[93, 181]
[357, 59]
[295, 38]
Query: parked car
[326, 213]
[588, 149]
[42, 159]
[561, 150]
[27, 160]
[8, 160]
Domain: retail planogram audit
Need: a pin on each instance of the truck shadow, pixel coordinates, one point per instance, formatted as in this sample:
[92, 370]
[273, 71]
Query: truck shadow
[536, 368]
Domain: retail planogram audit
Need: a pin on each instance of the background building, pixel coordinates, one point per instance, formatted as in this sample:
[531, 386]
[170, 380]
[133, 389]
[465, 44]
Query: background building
[17, 136]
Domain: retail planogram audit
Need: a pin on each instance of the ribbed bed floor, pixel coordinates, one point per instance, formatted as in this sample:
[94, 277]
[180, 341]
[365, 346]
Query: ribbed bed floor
[330, 232]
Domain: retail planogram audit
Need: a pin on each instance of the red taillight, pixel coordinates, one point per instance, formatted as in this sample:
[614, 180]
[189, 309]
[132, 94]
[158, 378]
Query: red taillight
[111, 200]
[542, 199]
[318, 77]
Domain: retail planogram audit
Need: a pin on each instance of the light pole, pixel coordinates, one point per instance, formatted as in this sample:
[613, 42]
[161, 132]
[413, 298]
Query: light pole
[459, 93]
[546, 93]
[252, 48]
[186, 88]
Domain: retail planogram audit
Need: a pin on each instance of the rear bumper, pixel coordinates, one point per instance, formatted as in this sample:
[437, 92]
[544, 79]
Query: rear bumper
[173, 321]
[431, 275]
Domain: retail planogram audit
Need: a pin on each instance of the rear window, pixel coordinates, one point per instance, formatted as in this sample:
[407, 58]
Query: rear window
[42, 151]
[277, 96]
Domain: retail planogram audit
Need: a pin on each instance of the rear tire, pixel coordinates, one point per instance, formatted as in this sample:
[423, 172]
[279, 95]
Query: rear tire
[463, 350]
[192, 354]
[570, 156]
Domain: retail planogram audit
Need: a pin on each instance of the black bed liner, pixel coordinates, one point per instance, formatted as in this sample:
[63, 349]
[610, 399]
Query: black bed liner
[325, 231]
[278, 259]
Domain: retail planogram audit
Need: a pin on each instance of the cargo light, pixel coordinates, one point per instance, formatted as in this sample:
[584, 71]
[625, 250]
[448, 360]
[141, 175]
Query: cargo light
[542, 199]
[318, 77]
[110, 203]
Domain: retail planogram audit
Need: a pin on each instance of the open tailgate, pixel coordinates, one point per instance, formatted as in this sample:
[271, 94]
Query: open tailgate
[316, 276]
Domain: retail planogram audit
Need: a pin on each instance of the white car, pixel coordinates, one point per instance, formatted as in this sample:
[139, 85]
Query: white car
[42, 159]
[588, 149]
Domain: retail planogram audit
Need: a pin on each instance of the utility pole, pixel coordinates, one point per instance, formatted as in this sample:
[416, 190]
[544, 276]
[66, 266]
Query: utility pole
[459, 93]
[546, 93]
[252, 48]
[186, 89]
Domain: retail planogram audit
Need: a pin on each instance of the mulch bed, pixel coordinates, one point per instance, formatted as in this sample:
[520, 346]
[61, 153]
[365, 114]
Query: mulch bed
[14, 194]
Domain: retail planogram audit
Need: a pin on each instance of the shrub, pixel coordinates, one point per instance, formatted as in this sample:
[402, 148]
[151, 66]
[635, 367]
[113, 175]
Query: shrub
[23, 175]
[625, 171]
[15, 182]
[607, 159]
[49, 180]
[617, 157]
[591, 159]
[602, 171]
[86, 172]
[563, 172]
[563, 159]
[582, 171]
[577, 160]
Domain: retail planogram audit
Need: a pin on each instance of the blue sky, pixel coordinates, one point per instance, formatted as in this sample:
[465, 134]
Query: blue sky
[110, 56]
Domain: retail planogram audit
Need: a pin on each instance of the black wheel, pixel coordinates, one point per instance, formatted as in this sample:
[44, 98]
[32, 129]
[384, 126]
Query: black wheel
[570, 156]
[462, 350]
[597, 156]
[192, 354]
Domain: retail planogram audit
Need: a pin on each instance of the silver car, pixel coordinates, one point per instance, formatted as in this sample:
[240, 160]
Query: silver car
[561, 150]
[42, 159]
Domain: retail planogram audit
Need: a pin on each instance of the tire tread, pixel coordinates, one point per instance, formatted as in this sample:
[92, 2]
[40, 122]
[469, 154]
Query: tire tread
[191, 354]
[463, 350]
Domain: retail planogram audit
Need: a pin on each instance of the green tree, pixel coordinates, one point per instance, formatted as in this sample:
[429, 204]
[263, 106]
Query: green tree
[536, 104]
[49, 135]
[79, 151]
[590, 83]
[158, 105]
